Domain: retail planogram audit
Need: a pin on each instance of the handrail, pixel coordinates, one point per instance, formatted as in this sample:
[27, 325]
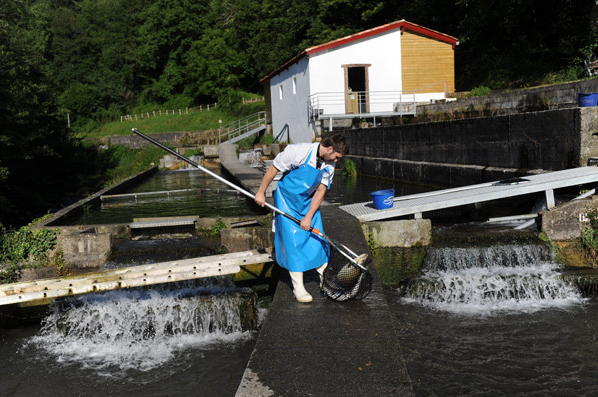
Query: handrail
[369, 102]
[241, 126]
[286, 127]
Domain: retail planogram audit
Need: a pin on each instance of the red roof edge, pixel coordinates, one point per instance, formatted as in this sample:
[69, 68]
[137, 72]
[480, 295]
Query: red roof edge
[402, 24]
[285, 65]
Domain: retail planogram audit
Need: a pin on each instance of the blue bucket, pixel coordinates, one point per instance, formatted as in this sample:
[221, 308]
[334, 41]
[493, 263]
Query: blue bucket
[585, 100]
[383, 199]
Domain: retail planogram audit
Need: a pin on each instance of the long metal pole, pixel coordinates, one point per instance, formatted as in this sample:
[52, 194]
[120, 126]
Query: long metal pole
[250, 195]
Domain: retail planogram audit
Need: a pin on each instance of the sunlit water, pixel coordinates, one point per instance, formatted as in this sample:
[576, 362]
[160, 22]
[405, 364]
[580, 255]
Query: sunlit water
[132, 341]
[483, 280]
[208, 197]
[496, 321]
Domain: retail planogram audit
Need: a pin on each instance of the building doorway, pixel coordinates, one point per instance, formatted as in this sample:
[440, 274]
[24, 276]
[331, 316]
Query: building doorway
[356, 89]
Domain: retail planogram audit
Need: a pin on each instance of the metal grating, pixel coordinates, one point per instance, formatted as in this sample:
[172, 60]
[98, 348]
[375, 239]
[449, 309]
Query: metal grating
[419, 203]
[162, 223]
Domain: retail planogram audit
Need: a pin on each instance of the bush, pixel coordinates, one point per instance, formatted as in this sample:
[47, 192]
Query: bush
[479, 91]
[589, 236]
[28, 247]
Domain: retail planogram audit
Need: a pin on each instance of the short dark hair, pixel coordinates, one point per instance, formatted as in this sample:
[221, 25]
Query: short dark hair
[338, 143]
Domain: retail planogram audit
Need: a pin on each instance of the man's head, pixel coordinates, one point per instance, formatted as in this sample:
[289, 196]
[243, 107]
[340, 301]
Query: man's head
[333, 147]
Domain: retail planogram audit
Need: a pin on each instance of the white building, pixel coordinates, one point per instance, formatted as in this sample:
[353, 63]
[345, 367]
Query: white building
[382, 71]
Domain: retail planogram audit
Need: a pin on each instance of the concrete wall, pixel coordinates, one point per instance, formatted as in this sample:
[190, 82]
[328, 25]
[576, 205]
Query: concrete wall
[88, 246]
[176, 139]
[527, 100]
[476, 150]
[566, 221]
[290, 105]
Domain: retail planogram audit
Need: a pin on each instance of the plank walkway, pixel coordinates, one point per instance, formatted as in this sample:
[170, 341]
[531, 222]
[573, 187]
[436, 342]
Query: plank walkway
[417, 204]
[134, 276]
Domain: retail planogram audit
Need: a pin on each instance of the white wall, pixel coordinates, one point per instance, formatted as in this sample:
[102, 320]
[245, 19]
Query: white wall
[382, 52]
[292, 108]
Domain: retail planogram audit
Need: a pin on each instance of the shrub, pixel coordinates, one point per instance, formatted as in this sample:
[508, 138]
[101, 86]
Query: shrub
[28, 247]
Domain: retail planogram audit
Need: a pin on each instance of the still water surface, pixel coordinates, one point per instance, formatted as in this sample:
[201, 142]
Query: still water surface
[551, 352]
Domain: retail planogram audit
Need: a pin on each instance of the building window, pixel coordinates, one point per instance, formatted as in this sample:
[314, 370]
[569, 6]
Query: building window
[280, 92]
[294, 85]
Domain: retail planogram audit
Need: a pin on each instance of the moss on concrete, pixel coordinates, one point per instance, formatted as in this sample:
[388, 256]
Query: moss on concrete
[395, 265]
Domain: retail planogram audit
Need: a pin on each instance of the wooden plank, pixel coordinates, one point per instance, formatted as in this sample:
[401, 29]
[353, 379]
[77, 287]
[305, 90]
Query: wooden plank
[134, 276]
[426, 61]
[113, 285]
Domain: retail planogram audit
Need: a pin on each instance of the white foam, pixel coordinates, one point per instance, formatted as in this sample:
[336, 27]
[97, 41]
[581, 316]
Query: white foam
[138, 330]
[492, 280]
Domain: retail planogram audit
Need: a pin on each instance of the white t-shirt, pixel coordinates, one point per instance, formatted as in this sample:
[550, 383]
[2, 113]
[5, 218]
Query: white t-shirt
[295, 155]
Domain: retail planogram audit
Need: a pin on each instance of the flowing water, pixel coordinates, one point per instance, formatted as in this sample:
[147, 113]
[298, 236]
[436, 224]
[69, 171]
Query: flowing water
[496, 321]
[141, 342]
[480, 321]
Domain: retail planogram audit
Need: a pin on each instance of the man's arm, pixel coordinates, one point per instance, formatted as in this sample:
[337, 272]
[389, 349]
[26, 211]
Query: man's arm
[260, 196]
[313, 207]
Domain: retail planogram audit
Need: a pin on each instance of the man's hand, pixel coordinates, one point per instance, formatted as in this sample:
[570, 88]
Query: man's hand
[260, 199]
[305, 223]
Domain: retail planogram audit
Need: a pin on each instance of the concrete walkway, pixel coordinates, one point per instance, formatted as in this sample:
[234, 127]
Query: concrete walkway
[328, 348]
[325, 348]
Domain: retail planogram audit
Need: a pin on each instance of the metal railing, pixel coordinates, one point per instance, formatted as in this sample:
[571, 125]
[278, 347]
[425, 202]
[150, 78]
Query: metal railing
[358, 103]
[233, 131]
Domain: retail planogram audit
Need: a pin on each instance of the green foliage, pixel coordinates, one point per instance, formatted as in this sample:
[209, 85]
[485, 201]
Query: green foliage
[349, 168]
[216, 227]
[28, 247]
[589, 235]
[128, 162]
[479, 91]
[372, 244]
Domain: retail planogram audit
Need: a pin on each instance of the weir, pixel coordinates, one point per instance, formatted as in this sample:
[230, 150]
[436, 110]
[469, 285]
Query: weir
[136, 276]
[492, 279]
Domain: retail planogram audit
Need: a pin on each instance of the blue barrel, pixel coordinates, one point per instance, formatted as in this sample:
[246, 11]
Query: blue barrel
[383, 199]
[585, 100]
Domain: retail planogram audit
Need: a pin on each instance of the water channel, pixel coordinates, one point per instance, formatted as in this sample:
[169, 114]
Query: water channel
[483, 321]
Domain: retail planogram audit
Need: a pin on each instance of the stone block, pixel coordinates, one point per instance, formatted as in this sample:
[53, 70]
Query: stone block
[566, 221]
[210, 151]
[402, 233]
[275, 149]
[247, 238]
[84, 247]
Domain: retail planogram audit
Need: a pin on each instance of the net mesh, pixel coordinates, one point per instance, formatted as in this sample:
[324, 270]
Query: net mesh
[345, 281]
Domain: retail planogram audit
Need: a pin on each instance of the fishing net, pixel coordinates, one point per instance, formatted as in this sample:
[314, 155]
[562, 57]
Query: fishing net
[344, 281]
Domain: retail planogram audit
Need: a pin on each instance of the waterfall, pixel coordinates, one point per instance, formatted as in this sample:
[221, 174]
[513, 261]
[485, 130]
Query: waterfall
[251, 157]
[486, 280]
[137, 329]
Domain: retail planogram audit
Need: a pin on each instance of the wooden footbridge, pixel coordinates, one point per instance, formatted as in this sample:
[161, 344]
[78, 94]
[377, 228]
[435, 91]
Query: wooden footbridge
[135, 276]
[417, 204]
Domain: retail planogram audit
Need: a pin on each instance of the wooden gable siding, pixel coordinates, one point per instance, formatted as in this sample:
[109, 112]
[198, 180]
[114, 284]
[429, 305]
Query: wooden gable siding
[426, 61]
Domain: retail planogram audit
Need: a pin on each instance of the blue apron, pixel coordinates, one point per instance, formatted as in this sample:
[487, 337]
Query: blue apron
[298, 250]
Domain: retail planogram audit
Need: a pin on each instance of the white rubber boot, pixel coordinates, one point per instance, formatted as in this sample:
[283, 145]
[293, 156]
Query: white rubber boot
[299, 290]
[320, 271]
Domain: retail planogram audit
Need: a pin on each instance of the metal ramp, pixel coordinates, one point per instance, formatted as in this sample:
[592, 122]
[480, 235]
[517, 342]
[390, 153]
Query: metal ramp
[145, 223]
[417, 204]
[135, 276]
[246, 134]
[242, 128]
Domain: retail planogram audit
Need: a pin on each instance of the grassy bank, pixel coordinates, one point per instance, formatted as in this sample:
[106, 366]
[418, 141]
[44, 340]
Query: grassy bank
[189, 120]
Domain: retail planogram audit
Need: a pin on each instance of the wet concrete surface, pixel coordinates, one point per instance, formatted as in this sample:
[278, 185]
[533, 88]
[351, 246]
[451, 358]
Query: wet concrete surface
[328, 348]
